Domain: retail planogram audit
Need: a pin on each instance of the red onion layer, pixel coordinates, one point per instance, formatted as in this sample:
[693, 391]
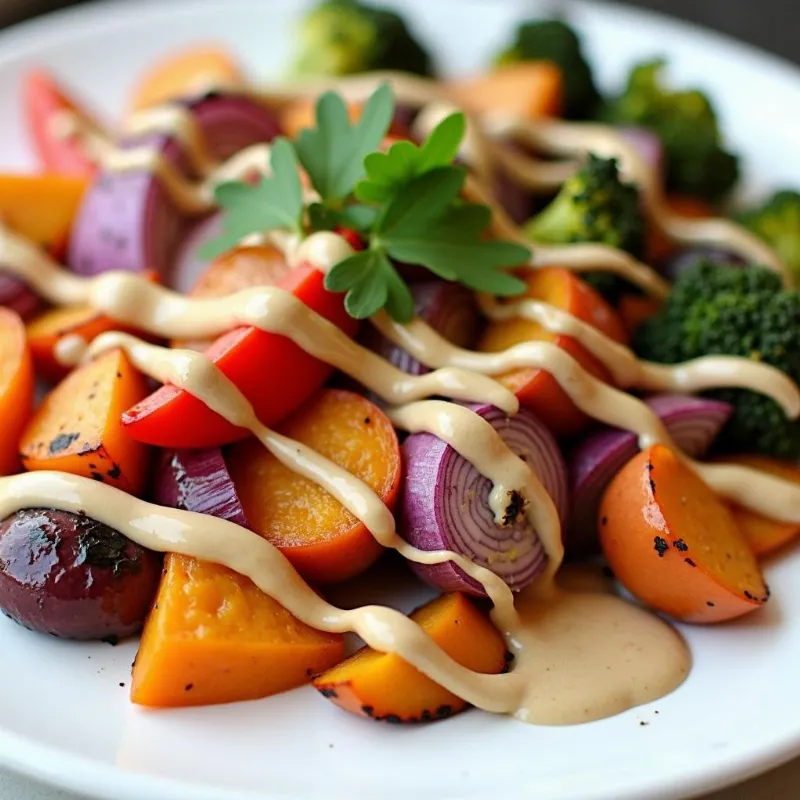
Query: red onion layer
[197, 480]
[448, 308]
[445, 505]
[693, 422]
[127, 220]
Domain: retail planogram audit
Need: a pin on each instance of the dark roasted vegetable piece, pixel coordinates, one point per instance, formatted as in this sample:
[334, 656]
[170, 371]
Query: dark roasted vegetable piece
[342, 37]
[685, 120]
[594, 205]
[714, 309]
[554, 40]
[71, 576]
[777, 222]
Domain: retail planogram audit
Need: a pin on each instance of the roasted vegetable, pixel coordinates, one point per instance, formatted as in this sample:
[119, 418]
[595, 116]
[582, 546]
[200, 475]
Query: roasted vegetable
[685, 120]
[77, 427]
[716, 310]
[383, 687]
[342, 37]
[674, 544]
[554, 40]
[214, 637]
[527, 91]
[777, 222]
[537, 389]
[185, 73]
[71, 576]
[17, 381]
[594, 205]
[322, 539]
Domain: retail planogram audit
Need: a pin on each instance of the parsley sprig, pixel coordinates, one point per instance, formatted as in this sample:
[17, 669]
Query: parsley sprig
[405, 203]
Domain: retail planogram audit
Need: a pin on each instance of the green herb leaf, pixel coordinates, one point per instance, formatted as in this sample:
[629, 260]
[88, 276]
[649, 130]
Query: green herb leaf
[333, 153]
[451, 247]
[420, 201]
[371, 282]
[322, 218]
[359, 218]
[276, 201]
[441, 146]
[403, 161]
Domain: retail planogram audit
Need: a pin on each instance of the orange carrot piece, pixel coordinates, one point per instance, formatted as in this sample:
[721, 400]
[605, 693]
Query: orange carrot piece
[46, 330]
[238, 269]
[384, 687]
[537, 389]
[765, 535]
[191, 71]
[78, 427]
[324, 542]
[16, 388]
[41, 207]
[214, 637]
[674, 544]
[530, 90]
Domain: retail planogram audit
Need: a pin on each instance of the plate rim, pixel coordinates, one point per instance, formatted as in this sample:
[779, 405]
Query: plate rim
[81, 774]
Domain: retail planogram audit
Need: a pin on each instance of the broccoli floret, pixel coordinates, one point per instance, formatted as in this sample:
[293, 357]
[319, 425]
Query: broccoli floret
[777, 222]
[342, 37]
[594, 205]
[716, 309]
[686, 122]
[554, 40]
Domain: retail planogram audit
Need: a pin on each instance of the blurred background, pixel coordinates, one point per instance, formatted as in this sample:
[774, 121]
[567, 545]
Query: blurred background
[770, 24]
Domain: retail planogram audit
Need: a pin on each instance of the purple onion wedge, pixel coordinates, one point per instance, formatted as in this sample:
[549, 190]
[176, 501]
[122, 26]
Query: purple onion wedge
[693, 422]
[197, 480]
[445, 505]
[127, 220]
[18, 296]
[448, 308]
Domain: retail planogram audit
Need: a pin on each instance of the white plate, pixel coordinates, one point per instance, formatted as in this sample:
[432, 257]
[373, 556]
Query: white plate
[64, 717]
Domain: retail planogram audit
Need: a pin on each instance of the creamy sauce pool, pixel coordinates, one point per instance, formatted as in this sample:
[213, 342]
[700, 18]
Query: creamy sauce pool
[557, 636]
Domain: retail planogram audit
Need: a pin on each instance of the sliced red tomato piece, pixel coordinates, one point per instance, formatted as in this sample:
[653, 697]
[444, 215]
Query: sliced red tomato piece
[270, 370]
[44, 100]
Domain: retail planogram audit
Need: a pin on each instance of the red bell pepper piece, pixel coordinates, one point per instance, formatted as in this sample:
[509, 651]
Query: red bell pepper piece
[43, 100]
[272, 372]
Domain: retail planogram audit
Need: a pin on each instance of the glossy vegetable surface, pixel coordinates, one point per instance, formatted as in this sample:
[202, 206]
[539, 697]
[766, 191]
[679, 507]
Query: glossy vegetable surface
[77, 427]
[273, 373]
[16, 389]
[214, 637]
[693, 422]
[445, 505]
[765, 536]
[536, 388]
[323, 540]
[197, 480]
[383, 687]
[71, 576]
[675, 545]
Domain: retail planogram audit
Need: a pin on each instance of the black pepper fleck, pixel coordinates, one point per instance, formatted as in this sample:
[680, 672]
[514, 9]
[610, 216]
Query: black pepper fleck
[681, 545]
[709, 604]
[660, 546]
[188, 687]
[368, 710]
[604, 521]
[690, 562]
[328, 692]
[367, 420]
